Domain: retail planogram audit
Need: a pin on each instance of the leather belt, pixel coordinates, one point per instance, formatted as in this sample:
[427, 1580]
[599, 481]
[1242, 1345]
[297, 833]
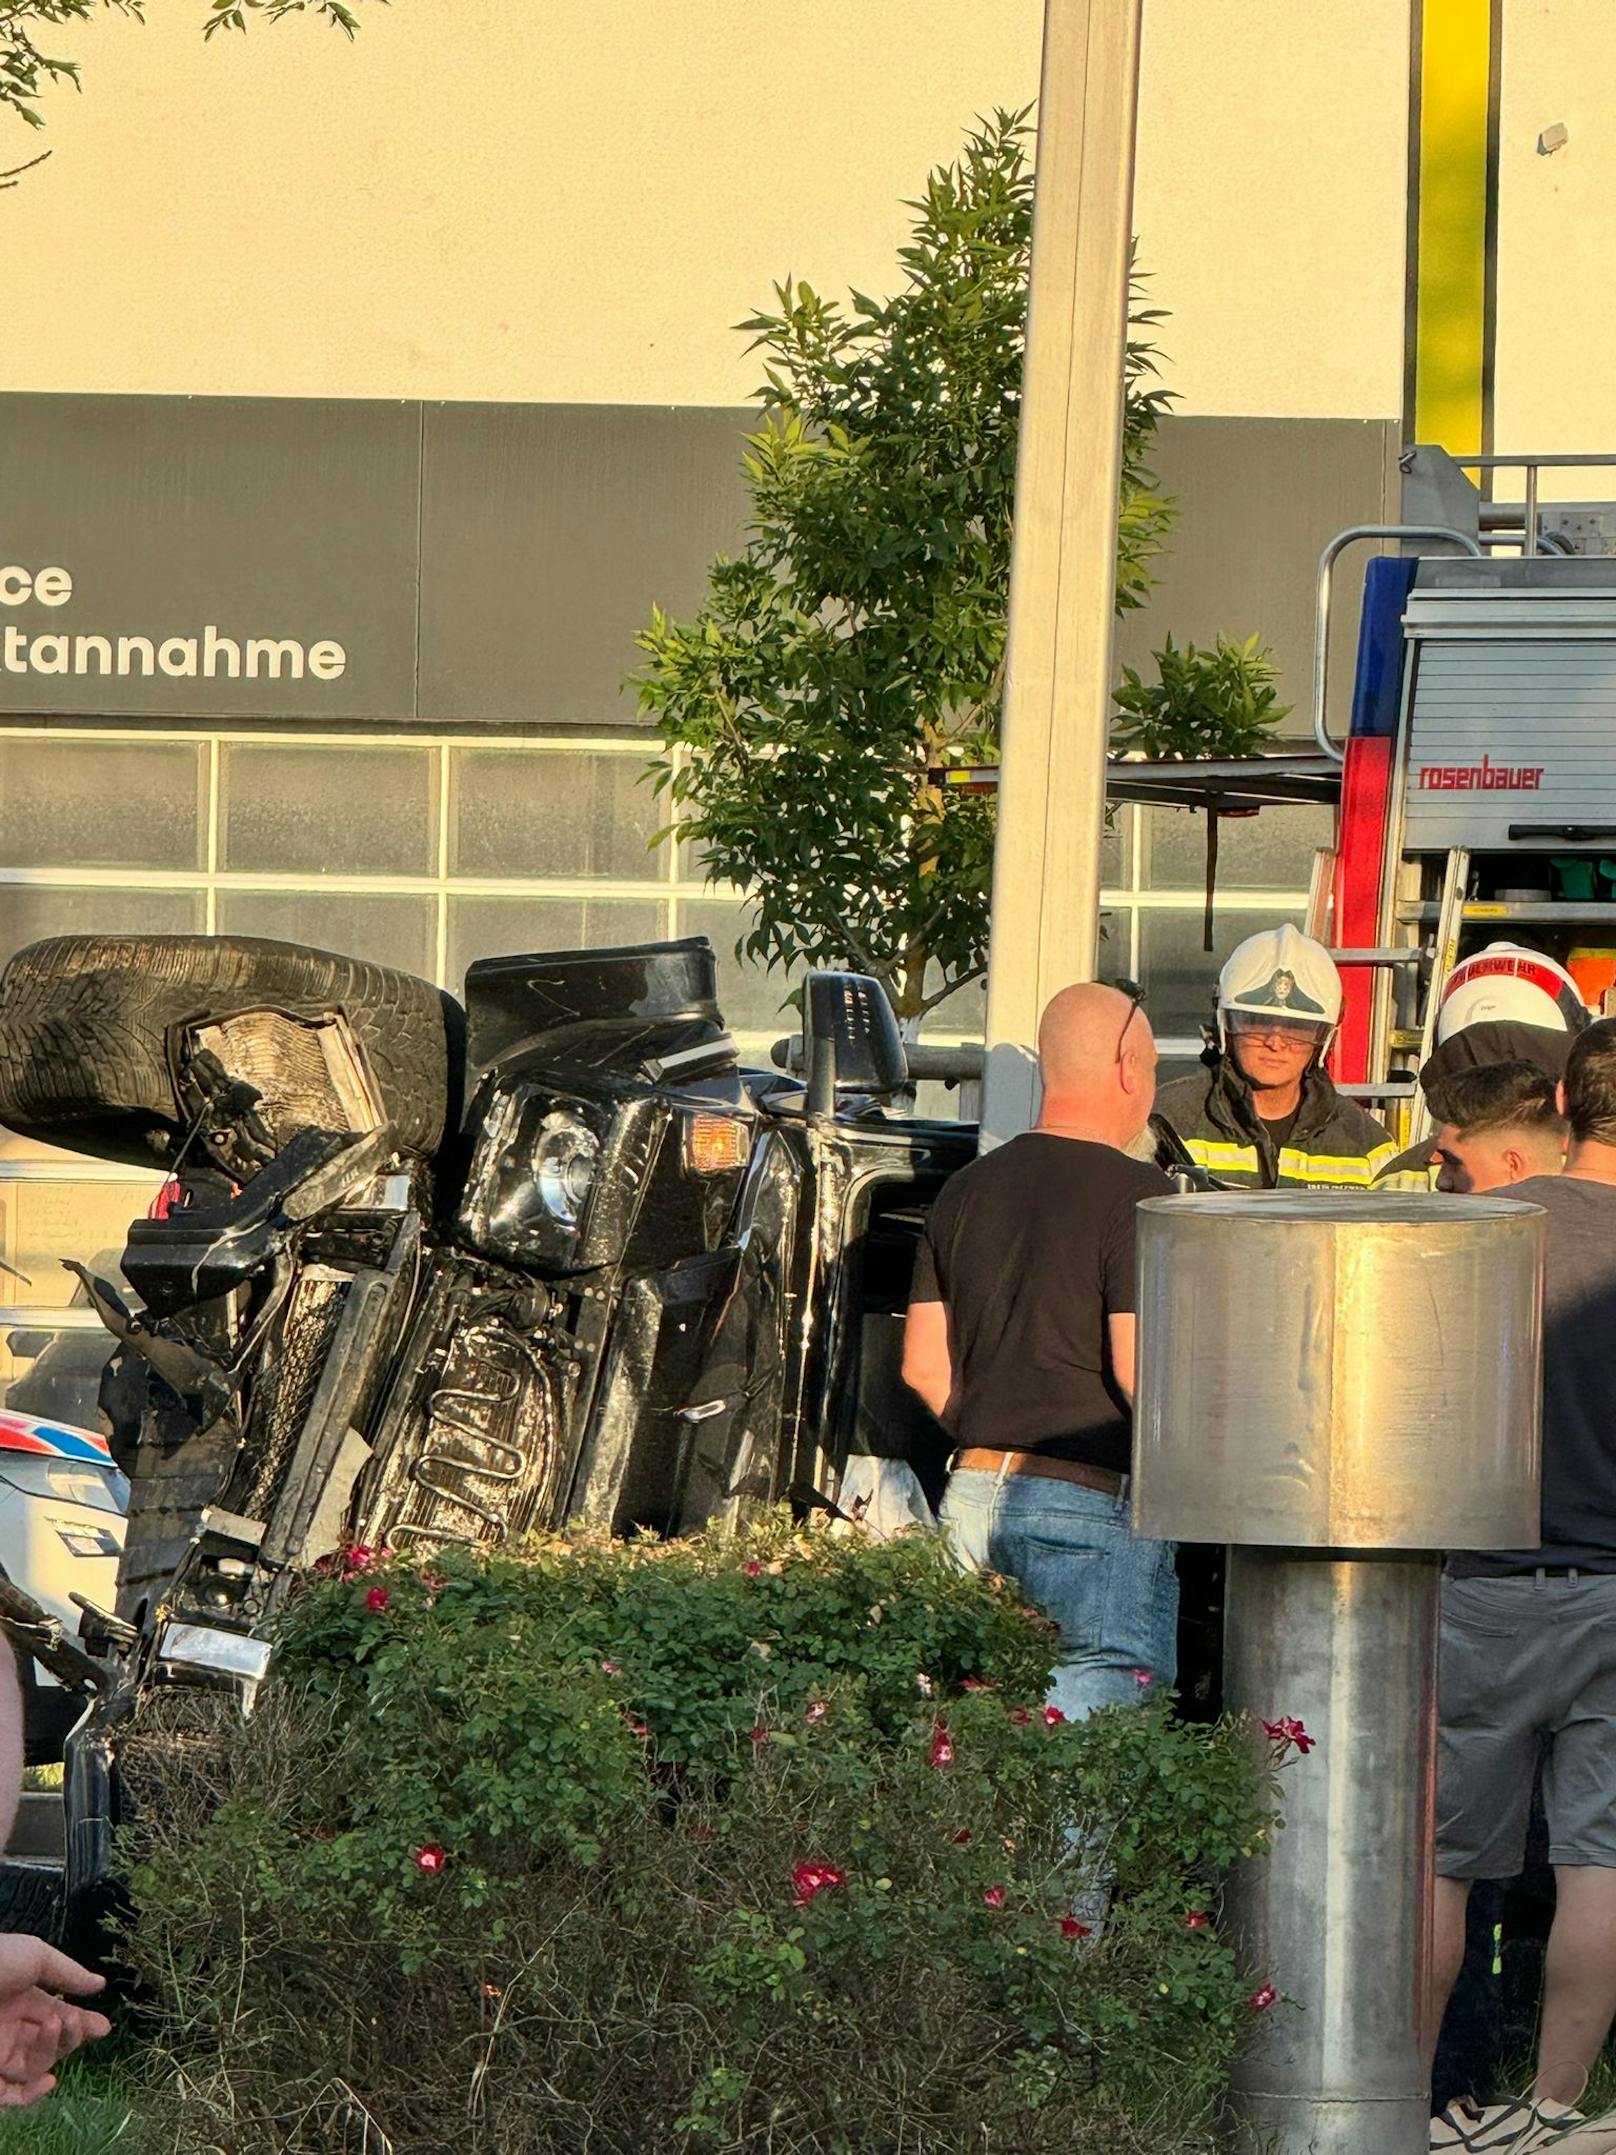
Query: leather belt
[1106, 1480]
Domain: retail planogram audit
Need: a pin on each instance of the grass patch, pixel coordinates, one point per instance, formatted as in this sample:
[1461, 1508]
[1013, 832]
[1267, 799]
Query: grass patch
[41, 1780]
[91, 2113]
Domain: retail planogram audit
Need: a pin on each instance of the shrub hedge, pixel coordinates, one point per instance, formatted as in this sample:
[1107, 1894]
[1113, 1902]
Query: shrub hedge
[715, 1845]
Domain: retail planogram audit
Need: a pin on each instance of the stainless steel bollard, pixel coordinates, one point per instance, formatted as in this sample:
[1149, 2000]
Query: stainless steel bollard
[1341, 1386]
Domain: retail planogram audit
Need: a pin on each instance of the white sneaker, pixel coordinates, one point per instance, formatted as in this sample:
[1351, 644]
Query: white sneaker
[1464, 2125]
[1591, 2136]
[1517, 2128]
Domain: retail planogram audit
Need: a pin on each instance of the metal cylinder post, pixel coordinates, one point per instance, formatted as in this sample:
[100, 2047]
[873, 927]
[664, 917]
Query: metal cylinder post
[1339, 1385]
[1333, 1914]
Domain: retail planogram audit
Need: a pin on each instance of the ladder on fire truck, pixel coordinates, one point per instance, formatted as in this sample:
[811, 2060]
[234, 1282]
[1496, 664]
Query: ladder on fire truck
[1435, 960]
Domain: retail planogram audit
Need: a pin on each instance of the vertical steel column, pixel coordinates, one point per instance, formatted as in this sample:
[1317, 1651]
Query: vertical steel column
[1335, 1914]
[1046, 864]
[1340, 1384]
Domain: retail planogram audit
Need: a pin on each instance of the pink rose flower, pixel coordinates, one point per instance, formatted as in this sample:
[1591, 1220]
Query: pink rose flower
[1285, 1731]
[809, 1880]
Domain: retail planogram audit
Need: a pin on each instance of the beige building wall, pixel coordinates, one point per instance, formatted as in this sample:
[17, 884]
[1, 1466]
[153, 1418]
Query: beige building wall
[573, 201]
[1556, 350]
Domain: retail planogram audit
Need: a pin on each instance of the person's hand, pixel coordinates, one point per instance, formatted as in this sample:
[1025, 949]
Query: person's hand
[37, 2029]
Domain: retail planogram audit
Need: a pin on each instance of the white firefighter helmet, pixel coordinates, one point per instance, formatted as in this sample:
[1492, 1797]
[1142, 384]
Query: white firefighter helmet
[1283, 976]
[1506, 983]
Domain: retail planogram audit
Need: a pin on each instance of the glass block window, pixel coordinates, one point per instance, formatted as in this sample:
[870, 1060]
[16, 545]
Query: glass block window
[427, 852]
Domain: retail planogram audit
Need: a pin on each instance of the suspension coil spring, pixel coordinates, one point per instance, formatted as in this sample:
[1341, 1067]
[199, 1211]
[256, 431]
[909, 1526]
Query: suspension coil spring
[474, 1412]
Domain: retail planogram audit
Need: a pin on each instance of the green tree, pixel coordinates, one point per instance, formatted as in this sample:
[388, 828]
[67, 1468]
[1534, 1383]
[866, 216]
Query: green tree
[25, 71]
[857, 645]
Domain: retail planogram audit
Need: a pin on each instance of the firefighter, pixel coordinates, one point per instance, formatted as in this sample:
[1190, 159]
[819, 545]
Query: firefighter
[1504, 1005]
[1263, 1114]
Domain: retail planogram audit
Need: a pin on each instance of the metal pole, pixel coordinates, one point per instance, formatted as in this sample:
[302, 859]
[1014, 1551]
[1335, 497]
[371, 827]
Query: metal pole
[1046, 868]
[1334, 1915]
[1272, 1414]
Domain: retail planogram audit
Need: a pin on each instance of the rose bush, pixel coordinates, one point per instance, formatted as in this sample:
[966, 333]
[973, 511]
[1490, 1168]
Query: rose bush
[699, 1846]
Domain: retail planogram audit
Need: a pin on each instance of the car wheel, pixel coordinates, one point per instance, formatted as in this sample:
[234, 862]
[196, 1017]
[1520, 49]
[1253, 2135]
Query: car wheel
[85, 1023]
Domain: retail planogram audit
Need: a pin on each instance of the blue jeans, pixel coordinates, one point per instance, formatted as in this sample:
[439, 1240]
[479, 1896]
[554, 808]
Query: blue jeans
[1114, 1595]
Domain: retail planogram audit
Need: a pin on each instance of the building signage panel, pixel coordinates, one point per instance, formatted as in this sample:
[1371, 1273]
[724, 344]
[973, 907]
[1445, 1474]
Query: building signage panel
[207, 557]
[347, 561]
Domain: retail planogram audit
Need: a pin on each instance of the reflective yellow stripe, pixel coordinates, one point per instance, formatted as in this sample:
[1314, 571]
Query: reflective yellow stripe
[1330, 1169]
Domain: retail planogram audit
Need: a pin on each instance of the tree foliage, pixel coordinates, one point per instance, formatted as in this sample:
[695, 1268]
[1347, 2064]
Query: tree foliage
[1222, 702]
[26, 71]
[857, 645]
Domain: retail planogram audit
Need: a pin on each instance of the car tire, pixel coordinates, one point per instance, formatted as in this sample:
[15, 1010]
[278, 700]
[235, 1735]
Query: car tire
[85, 1023]
[31, 1899]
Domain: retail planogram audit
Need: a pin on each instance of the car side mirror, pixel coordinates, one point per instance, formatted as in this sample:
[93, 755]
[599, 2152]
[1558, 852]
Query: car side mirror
[851, 1042]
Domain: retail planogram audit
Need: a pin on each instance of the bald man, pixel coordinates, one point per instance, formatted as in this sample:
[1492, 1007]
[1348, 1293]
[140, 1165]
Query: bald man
[1020, 1339]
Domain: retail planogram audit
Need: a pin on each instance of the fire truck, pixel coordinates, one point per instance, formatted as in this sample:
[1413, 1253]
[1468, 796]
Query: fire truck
[1478, 775]
[1475, 779]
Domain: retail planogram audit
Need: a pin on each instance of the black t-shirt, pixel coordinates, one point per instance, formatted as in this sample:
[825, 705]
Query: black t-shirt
[1283, 1128]
[1579, 1382]
[1031, 1248]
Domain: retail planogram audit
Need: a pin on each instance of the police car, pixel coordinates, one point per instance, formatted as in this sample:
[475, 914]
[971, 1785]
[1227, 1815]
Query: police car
[62, 1506]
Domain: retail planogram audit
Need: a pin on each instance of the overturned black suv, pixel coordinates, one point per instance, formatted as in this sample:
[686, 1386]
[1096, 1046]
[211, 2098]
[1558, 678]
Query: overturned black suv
[430, 1272]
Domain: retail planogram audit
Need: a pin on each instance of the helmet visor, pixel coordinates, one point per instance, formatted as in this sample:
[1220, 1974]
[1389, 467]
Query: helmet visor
[1271, 1025]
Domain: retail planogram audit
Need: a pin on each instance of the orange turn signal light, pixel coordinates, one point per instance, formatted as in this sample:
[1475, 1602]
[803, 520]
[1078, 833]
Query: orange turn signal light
[714, 1144]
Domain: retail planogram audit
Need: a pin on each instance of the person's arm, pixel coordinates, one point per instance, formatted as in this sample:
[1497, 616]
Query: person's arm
[1123, 1330]
[928, 1366]
[37, 2030]
[11, 1742]
[1117, 1282]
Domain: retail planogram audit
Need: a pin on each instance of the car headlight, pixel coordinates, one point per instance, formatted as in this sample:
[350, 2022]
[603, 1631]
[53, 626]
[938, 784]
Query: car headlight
[539, 1172]
[565, 1156]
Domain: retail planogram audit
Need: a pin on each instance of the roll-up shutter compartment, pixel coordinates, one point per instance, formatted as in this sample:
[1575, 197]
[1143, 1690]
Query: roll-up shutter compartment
[1512, 715]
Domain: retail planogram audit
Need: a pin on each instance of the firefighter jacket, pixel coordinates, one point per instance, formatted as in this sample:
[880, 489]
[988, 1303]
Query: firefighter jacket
[1334, 1144]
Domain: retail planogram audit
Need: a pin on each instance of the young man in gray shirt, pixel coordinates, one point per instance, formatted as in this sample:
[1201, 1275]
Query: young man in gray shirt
[1529, 1648]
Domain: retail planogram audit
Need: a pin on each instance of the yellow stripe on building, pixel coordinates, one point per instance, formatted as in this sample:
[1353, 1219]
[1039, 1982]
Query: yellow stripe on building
[1453, 167]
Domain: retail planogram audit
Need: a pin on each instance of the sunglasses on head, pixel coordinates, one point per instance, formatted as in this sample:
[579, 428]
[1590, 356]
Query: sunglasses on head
[1136, 1001]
